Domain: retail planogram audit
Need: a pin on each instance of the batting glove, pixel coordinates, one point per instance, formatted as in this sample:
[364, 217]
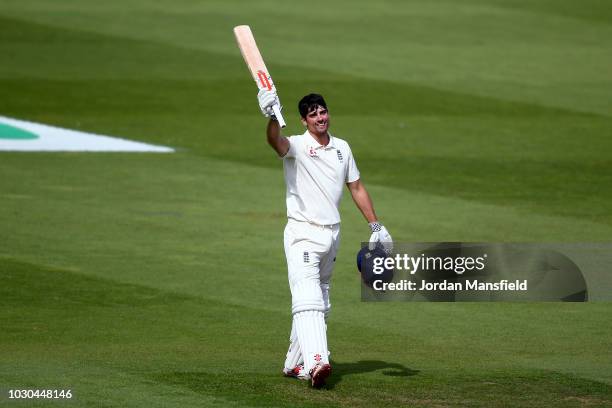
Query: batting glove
[266, 100]
[380, 234]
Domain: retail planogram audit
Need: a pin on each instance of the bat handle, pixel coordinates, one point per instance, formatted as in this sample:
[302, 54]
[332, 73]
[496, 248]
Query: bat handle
[279, 115]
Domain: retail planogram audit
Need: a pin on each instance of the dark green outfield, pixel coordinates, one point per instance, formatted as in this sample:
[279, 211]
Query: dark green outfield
[159, 280]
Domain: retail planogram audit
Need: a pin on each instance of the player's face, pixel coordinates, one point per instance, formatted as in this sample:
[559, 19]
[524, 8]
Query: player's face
[317, 121]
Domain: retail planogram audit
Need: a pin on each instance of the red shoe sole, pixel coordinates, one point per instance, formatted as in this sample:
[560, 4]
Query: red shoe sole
[319, 376]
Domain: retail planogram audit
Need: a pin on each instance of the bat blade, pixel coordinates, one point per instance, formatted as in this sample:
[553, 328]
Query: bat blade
[255, 63]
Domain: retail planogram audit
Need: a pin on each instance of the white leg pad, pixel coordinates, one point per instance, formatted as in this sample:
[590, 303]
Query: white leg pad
[312, 336]
[294, 354]
[326, 302]
[306, 295]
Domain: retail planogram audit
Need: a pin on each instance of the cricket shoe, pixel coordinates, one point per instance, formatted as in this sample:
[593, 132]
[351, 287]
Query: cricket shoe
[296, 372]
[319, 374]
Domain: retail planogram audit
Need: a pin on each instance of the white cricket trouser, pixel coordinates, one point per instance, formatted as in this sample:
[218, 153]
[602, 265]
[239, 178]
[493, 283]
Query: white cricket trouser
[311, 253]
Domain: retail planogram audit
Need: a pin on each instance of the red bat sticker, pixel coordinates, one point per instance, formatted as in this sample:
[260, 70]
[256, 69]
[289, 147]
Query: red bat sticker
[263, 78]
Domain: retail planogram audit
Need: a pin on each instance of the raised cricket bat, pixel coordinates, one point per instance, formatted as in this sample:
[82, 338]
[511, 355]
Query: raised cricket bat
[252, 57]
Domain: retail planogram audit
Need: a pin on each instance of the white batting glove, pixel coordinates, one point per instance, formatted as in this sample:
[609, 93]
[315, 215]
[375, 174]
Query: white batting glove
[266, 100]
[380, 234]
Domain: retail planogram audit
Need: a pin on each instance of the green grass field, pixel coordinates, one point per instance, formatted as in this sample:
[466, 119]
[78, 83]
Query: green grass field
[149, 280]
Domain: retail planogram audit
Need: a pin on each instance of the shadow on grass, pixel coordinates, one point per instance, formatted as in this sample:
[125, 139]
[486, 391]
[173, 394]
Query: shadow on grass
[365, 366]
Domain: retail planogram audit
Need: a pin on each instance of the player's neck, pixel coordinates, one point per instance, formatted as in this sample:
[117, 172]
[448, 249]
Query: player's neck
[321, 138]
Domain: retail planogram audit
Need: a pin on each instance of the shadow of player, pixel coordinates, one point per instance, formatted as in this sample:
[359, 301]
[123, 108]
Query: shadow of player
[365, 366]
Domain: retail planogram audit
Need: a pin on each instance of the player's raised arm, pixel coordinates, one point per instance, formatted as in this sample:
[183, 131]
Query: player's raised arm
[268, 99]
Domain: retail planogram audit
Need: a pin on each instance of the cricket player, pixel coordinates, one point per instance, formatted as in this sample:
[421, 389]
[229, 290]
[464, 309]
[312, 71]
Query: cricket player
[316, 165]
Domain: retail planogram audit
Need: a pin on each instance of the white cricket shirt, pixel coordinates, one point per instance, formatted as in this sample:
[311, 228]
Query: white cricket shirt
[315, 176]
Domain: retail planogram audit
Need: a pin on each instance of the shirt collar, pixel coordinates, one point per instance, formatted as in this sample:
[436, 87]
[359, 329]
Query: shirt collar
[317, 145]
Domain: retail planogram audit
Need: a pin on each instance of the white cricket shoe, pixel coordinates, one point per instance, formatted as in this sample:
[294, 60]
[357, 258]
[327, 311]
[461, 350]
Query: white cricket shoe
[297, 372]
[319, 374]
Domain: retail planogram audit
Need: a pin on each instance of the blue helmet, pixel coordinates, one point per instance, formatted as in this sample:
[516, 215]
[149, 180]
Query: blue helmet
[365, 265]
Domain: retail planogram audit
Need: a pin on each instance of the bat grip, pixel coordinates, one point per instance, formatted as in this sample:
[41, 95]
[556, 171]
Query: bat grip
[279, 115]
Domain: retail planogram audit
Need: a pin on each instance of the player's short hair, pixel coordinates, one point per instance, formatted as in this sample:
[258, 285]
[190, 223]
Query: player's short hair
[309, 103]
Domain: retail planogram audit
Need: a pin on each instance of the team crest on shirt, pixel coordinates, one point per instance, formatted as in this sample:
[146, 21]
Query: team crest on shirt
[312, 152]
